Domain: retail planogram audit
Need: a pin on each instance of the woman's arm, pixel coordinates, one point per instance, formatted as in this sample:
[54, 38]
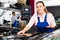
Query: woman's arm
[26, 29]
[28, 26]
[51, 21]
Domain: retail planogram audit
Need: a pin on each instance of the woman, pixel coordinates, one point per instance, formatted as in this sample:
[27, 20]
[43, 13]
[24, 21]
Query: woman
[43, 20]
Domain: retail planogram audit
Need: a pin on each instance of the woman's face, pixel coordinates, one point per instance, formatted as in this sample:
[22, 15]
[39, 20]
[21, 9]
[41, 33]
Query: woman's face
[40, 8]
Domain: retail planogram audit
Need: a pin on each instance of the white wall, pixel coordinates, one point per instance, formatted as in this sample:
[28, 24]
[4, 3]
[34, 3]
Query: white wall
[13, 1]
[7, 15]
[1, 10]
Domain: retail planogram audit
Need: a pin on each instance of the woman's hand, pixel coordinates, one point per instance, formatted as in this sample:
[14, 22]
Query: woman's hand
[21, 32]
[50, 26]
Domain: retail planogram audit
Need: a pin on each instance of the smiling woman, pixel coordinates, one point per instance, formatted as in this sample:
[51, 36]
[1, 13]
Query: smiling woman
[43, 20]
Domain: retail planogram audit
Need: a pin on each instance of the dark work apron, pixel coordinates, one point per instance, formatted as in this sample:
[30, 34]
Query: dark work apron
[42, 26]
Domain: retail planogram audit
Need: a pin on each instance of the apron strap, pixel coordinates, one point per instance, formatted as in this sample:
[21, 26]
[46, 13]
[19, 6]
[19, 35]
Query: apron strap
[45, 18]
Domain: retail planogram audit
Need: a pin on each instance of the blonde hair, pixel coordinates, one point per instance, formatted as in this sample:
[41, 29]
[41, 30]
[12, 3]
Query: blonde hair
[43, 5]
